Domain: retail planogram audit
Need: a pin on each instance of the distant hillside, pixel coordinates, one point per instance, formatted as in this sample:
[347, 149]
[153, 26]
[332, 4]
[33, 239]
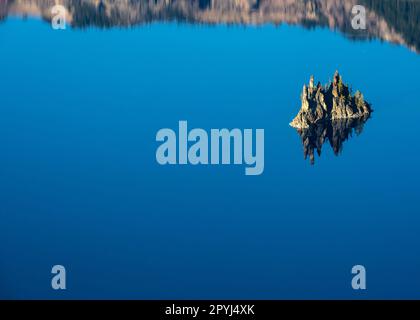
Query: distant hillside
[395, 21]
[403, 16]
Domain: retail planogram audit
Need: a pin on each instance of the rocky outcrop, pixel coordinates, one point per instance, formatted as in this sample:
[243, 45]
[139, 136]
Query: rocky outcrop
[333, 101]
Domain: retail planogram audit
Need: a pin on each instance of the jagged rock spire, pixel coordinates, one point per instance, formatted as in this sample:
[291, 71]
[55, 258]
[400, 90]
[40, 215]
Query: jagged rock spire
[311, 82]
[332, 102]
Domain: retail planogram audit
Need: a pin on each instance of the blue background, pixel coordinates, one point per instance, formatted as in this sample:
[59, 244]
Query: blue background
[80, 186]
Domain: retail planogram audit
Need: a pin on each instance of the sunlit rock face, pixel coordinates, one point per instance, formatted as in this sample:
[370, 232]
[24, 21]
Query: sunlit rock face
[335, 131]
[333, 101]
[394, 21]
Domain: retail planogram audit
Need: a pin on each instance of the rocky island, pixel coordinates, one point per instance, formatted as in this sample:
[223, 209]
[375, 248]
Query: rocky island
[333, 101]
[329, 113]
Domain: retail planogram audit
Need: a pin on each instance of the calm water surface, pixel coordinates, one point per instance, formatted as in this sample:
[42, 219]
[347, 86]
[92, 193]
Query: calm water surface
[80, 186]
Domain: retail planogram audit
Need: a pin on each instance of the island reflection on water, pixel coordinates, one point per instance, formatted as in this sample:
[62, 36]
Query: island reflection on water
[334, 131]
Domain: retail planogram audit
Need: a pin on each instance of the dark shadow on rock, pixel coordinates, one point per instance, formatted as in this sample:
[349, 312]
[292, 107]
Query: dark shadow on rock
[334, 131]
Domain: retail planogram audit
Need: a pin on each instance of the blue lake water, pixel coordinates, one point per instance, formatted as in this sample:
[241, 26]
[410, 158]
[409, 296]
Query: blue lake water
[80, 185]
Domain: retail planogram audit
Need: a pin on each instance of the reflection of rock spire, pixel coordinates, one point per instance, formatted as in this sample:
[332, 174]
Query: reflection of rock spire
[336, 131]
